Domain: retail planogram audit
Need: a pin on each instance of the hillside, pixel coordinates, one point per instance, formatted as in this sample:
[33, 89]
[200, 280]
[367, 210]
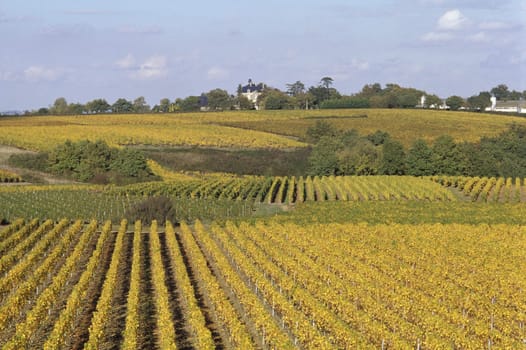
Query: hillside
[240, 129]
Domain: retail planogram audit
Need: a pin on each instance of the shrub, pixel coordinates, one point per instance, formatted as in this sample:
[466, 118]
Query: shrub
[160, 208]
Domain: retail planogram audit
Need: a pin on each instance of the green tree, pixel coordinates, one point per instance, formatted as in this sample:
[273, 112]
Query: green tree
[326, 82]
[320, 129]
[244, 103]
[419, 160]
[76, 108]
[275, 99]
[122, 106]
[140, 105]
[393, 158]
[296, 88]
[323, 159]
[189, 104]
[359, 158]
[99, 105]
[501, 92]
[59, 107]
[447, 158]
[455, 102]
[164, 105]
[219, 99]
[479, 102]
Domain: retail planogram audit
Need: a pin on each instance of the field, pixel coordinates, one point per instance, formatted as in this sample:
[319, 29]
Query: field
[258, 129]
[270, 285]
[271, 260]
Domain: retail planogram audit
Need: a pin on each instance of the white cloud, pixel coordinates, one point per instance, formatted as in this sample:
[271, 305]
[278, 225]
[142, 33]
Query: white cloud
[497, 25]
[126, 62]
[152, 68]
[217, 73]
[436, 36]
[7, 76]
[452, 20]
[359, 65]
[479, 37]
[39, 73]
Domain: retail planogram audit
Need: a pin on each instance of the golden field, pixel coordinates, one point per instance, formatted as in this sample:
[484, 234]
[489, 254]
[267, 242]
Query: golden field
[245, 129]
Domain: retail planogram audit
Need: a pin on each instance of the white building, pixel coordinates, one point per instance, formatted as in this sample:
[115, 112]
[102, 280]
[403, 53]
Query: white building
[514, 106]
[252, 92]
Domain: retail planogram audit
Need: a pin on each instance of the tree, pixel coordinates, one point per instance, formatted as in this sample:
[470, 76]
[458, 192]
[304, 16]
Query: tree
[501, 92]
[219, 99]
[319, 130]
[433, 101]
[296, 88]
[326, 82]
[99, 105]
[140, 105]
[76, 108]
[164, 105]
[393, 158]
[319, 94]
[323, 159]
[359, 158]
[189, 104]
[275, 99]
[244, 103]
[59, 107]
[122, 106]
[447, 158]
[419, 159]
[480, 101]
[455, 102]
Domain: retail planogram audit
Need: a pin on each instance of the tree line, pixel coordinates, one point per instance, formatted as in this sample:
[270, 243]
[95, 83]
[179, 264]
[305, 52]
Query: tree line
[295, 96]
[348, 153]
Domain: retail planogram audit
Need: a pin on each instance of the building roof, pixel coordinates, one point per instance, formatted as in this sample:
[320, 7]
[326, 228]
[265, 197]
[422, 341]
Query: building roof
[511, 104]
[251, 87]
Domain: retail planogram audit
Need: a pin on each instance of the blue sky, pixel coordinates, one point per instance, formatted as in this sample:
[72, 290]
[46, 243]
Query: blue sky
[83, 50]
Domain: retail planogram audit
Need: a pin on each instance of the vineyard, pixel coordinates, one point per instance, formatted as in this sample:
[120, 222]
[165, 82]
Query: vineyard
[264, 285]
[244, 129]
[8, 176]
[289, 190]
[484, 189]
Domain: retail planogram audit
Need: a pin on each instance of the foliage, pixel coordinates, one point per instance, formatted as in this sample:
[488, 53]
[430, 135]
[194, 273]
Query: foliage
[393, 158]
[86, 161]
[419, 160]
[345, 102]
[455, 102]
[159, 208]
[320, 129]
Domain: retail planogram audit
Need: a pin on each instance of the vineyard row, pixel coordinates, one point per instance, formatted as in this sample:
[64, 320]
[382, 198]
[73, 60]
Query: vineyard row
[263, 285]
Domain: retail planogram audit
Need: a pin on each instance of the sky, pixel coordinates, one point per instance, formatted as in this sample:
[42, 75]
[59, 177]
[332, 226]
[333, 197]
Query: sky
[82, 50]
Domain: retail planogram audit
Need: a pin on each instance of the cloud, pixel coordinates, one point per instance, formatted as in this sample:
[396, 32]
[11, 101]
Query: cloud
[153, 67]
[140, 30]
[436, 37]
[39, 73]
[7, 76]
[127, 62]
[359, 65]
[452, 20]
[498, 26]
[217, 73]
[480, 37]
